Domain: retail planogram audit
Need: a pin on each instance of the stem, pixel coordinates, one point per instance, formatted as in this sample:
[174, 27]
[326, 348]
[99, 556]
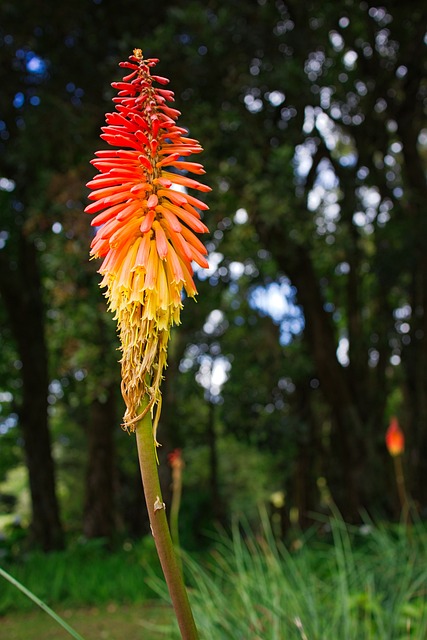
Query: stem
[400, 481]
[174, 512]
[175, 505]
[160, 529]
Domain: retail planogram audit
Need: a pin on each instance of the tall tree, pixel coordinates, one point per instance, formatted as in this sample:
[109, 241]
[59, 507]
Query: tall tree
[312, 116]
[319, 112]
[22, 295]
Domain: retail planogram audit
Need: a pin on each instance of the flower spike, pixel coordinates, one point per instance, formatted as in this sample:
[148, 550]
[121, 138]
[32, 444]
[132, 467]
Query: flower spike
[394, 438]
[146, 225]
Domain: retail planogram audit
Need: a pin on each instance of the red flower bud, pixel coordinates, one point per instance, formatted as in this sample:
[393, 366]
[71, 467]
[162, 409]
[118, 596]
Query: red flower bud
[394, 438]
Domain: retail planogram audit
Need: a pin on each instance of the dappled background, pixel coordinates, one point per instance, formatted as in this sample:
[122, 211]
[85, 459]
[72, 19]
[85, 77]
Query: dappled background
[310, 329]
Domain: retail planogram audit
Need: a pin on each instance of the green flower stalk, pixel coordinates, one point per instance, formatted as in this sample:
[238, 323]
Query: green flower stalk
[146, 234]
[177, 465]
[395, 442]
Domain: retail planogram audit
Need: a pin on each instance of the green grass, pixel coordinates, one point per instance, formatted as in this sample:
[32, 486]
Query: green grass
[85, 575]
[341, 582]
[368, 584]
[133, 622]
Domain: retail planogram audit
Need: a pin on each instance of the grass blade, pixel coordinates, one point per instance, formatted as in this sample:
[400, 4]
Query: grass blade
[40, 604]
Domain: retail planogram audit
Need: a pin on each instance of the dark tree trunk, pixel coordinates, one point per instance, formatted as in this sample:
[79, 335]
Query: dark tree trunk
[310, 453]
[99, 510]
[21, 290]
[349, 451]
[415, 354]
[410, 117]
[215, 496]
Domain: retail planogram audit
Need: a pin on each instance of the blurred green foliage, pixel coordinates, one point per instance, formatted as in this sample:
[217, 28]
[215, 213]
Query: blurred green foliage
[313, 121]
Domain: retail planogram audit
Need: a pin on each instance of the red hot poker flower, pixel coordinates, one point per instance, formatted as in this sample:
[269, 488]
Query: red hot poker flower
[175, 459]
[394, 438]
[146, 225]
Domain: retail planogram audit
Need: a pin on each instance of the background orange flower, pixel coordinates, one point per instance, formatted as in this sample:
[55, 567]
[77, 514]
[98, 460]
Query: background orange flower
[394, 438]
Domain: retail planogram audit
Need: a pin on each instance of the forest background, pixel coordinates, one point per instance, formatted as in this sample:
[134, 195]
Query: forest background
[310, 329]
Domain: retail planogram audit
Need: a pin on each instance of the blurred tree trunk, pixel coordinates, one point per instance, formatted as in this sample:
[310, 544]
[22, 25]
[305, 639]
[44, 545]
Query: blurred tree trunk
[169, 432]
[99, 509]
[21, 290]
[410, 119]
[212, 442]
[295, 260]
[310, 452]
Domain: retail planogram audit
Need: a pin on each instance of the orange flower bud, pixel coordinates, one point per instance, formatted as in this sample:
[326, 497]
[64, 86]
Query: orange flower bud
[175, 459]
[394, 438]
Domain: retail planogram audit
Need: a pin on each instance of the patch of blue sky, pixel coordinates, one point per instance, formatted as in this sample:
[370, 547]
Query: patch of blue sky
[277, 300]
